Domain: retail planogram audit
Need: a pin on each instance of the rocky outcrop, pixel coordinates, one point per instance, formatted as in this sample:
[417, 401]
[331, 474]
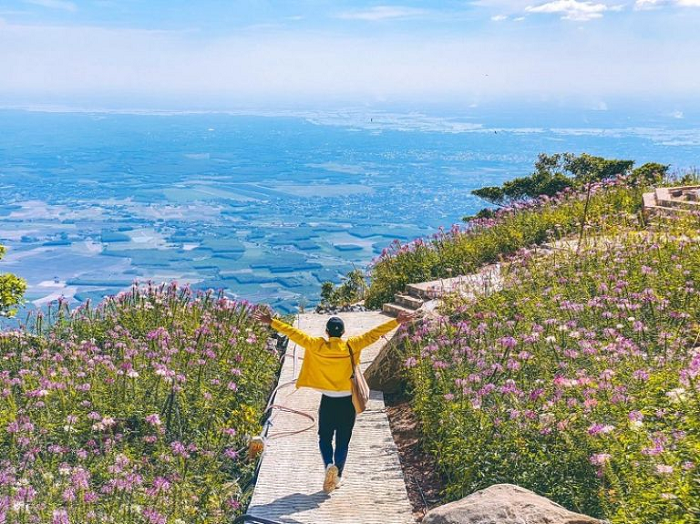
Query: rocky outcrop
[505, 504]
[384, 373]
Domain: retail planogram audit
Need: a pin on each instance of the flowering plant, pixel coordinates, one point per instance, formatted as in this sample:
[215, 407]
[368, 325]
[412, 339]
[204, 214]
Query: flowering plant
[132, 412]
[580, 379]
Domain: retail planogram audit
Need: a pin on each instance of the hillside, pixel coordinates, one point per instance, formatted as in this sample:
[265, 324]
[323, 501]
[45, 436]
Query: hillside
[577, 380]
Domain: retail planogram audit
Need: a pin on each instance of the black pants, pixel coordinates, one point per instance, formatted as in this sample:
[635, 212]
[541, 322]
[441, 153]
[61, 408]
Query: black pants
[336, 415]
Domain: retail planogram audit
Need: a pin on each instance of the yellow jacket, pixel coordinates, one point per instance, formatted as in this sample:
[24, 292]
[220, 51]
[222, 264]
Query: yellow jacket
[327, 361]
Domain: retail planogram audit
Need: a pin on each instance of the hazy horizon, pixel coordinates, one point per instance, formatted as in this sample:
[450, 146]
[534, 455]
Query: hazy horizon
[272, 54]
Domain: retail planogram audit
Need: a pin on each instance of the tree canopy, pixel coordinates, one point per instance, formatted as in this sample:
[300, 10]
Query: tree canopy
[12, 290]
[554, 173]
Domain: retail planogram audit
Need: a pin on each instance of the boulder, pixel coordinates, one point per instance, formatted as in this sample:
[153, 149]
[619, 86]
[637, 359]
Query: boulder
[384, 373]
[505, 504]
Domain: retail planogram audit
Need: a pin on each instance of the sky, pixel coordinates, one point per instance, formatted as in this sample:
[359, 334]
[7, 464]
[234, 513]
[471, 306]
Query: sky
[240, 53]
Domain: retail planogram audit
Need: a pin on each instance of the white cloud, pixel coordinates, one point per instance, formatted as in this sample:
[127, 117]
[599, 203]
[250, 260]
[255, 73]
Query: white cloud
[499, 18]
[63, 5]
[383, 12]
[646, 5]
[571, 9]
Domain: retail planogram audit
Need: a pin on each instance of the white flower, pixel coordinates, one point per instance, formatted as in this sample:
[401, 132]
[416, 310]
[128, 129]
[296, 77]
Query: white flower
[132, 374]
[677, 395]
[551, 339]
[547, 419]
[636, 425]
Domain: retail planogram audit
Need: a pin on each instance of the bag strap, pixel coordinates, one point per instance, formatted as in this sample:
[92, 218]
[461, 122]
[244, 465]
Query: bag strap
[352, 359]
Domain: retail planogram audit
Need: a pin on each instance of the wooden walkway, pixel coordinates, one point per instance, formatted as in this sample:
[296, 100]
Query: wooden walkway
[289, 485]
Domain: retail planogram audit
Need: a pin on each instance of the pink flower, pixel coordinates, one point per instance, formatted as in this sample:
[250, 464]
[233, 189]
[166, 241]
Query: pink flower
[60, 516]
[597, 429]
[600, 459]
[153, 420]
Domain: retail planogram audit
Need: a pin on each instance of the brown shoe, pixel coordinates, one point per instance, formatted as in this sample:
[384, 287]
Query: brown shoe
[331, 479]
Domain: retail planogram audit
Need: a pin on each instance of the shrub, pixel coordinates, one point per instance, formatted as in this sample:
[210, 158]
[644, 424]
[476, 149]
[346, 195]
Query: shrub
[353, 289]
[12, 289]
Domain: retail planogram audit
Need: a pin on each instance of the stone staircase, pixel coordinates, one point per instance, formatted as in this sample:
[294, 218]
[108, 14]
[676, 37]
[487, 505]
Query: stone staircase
[673, 201]
[424, 296]
[409, 302]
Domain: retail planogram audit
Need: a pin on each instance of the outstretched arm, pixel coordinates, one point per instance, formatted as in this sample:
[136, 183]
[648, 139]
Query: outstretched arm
[295, 335]
[360, 342]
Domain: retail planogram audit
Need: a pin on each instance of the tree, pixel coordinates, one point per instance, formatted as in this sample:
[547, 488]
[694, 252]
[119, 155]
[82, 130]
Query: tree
[12, 289]
[353, 289]
[327, 292]
[553, 174]
[587, 168]
[649, 174]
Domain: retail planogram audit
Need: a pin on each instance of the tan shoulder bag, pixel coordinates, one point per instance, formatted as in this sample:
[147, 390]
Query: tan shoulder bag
[360, 389]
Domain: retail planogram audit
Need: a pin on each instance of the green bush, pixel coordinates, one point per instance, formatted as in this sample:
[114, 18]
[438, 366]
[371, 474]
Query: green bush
[12, 289]
[353, 289]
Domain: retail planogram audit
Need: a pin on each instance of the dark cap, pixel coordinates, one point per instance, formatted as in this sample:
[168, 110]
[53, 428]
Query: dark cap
[335, 327]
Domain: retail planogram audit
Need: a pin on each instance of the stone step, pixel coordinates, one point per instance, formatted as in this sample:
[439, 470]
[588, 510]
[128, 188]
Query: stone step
[668, 211]
[680, 197]
[408, 301]
[419, 290]
[394, 309]
[649, 199]
[677, 204]
[672, 201]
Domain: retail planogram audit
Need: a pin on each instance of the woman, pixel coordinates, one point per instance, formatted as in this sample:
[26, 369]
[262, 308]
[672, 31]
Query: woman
[327, 368]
